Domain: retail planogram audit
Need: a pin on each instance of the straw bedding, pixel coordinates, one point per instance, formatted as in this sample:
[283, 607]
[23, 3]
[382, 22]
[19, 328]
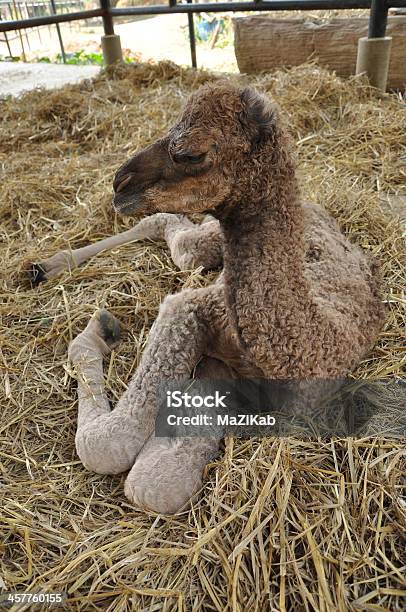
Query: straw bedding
[280, 524]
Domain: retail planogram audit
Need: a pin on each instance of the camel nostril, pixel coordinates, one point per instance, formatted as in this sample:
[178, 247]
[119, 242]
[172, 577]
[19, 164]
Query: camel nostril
[122, 182]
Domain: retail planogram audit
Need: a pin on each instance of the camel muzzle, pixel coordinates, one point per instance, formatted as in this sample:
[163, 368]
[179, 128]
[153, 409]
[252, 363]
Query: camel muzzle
[128, 192]
[128, 203]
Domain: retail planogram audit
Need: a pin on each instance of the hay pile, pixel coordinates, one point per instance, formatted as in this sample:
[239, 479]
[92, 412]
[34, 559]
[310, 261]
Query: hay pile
[280, 524]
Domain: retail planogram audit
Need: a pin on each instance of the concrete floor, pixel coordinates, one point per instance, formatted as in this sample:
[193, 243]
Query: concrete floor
[16, 77]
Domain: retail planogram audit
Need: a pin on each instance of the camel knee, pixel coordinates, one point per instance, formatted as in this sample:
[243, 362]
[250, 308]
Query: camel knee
[186, 260]
[102, 453]
[184, 251]
[180, 304]
[168, 473]
[148, 492]
[96, 457]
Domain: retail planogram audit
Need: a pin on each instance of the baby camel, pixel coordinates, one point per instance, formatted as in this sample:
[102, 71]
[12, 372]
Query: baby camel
[295, 299]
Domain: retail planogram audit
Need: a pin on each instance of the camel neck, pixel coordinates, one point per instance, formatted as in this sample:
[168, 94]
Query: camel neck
[272, 236]
[264, 269]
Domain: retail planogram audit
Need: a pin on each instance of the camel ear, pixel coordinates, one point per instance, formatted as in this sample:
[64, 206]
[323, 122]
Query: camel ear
[257, 117]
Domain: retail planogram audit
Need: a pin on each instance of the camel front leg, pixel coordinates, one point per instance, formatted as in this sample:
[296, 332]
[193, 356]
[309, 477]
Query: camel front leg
[154, 227]
[108, 442]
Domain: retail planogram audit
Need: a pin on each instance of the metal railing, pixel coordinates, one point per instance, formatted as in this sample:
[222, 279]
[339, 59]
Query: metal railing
[20, 10]
[377, 23]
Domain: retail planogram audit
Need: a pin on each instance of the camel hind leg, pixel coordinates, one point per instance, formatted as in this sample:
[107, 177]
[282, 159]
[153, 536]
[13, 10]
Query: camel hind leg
[168, 471]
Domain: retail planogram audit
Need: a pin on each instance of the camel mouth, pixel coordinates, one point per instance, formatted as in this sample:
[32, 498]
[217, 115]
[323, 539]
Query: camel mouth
[127, 204]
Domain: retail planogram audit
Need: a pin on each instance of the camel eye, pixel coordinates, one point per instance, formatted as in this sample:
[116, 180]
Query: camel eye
[188, 158]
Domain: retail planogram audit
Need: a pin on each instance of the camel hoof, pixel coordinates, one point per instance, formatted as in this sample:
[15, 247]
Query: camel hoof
[102, 334]
[51, 267]
[36, 274]
[110, 327]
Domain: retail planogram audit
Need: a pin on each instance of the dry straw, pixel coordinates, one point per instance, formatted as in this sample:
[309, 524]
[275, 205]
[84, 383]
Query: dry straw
[280, 524]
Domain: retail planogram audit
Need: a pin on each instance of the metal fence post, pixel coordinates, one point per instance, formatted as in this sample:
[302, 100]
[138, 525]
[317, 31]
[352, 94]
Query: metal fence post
[374, 50]
[192, 37]
[19, 33]
[110, 42]
[58, 29]
[378, 19]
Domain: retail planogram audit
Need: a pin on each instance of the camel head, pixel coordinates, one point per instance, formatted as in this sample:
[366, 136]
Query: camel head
[200, 164]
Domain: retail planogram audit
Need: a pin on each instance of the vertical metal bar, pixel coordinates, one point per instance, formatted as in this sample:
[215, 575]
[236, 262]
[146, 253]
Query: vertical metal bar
[192, 37]
[378, 19]
[19, 33]
[8, 44]
[108, 24]
[58, 29]
[34, 13]
[21, 17]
